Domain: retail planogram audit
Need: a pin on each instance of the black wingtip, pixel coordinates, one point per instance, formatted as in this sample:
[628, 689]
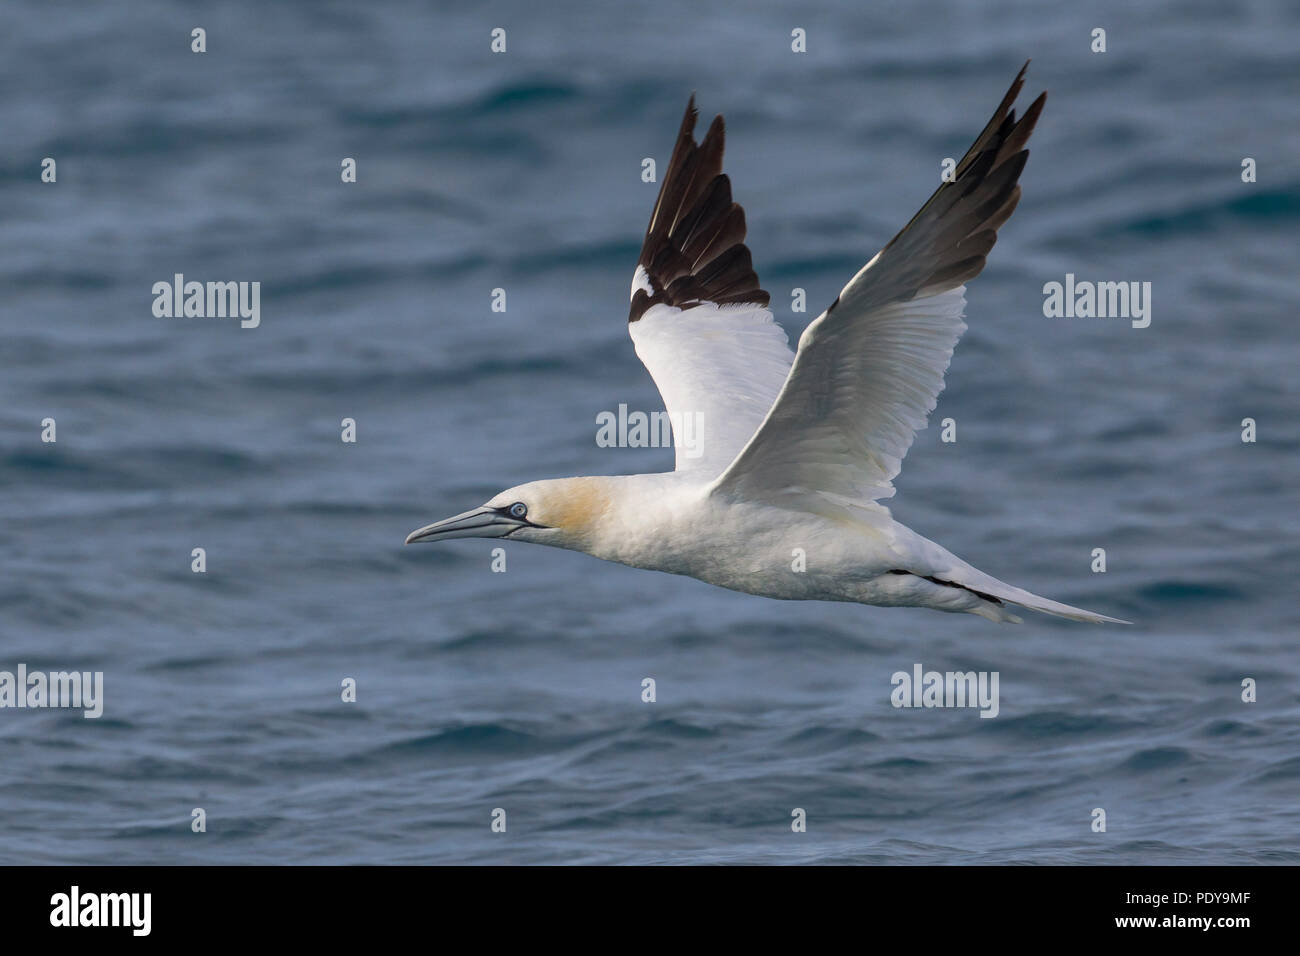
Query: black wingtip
[694, 225]
[946, 242]
[689, 118]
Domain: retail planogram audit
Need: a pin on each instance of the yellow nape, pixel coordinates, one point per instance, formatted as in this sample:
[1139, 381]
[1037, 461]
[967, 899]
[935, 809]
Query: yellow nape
[572, 505]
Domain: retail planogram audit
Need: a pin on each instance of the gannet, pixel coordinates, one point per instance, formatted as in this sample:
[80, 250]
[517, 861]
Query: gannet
[781, 496]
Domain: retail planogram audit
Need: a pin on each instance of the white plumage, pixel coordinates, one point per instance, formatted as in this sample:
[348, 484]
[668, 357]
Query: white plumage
[725, 364]
[781, 494]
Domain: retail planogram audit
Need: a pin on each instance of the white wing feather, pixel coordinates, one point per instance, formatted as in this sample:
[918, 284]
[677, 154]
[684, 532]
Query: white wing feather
[869, 370]
[697, 317]
[860, 388]
[718, 369]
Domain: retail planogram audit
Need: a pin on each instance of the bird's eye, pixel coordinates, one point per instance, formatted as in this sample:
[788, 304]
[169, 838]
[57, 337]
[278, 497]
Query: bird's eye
[519, 510]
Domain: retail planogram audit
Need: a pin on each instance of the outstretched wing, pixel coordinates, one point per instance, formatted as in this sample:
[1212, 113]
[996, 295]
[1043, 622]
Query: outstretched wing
[870, 368]
[699, 320]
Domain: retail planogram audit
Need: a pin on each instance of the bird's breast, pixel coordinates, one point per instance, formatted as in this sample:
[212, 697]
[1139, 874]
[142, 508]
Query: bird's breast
[759, 550]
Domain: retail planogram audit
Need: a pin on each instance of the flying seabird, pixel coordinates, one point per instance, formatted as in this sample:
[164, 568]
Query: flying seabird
[782, 495]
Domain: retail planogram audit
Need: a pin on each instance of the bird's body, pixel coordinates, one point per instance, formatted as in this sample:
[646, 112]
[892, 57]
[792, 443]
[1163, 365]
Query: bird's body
[862, 555]
[778, 494]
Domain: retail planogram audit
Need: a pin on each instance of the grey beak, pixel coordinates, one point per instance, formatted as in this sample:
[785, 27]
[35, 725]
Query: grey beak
[479, 523]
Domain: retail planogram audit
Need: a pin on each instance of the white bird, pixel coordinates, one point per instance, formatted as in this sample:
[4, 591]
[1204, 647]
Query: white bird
[781, 495]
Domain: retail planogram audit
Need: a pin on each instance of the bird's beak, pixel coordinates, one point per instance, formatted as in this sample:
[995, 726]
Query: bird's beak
[479, 523]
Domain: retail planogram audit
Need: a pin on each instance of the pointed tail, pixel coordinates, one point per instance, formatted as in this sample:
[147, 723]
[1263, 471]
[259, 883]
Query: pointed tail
[1047, 606]
[978, 581]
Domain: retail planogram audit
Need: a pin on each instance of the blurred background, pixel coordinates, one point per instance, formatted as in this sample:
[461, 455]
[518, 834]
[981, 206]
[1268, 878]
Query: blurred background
[521, 690]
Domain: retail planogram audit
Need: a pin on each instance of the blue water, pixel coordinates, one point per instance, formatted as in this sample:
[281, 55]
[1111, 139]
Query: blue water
[521, 690]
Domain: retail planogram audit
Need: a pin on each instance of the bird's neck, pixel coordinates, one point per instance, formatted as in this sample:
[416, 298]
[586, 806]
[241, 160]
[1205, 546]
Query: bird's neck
[621, 517]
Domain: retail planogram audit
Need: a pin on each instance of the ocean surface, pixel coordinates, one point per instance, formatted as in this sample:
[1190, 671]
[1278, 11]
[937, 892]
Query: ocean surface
[478, 690]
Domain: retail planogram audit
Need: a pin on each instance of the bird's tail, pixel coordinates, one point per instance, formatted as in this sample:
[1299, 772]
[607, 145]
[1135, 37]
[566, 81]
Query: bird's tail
[986, 584]
[1035, 603]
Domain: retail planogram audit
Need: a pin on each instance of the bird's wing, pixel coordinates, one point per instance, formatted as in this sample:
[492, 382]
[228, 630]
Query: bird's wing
[699, 321]
[870, 368]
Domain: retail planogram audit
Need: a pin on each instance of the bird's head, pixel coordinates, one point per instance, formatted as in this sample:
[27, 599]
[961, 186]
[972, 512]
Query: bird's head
[563, 512]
